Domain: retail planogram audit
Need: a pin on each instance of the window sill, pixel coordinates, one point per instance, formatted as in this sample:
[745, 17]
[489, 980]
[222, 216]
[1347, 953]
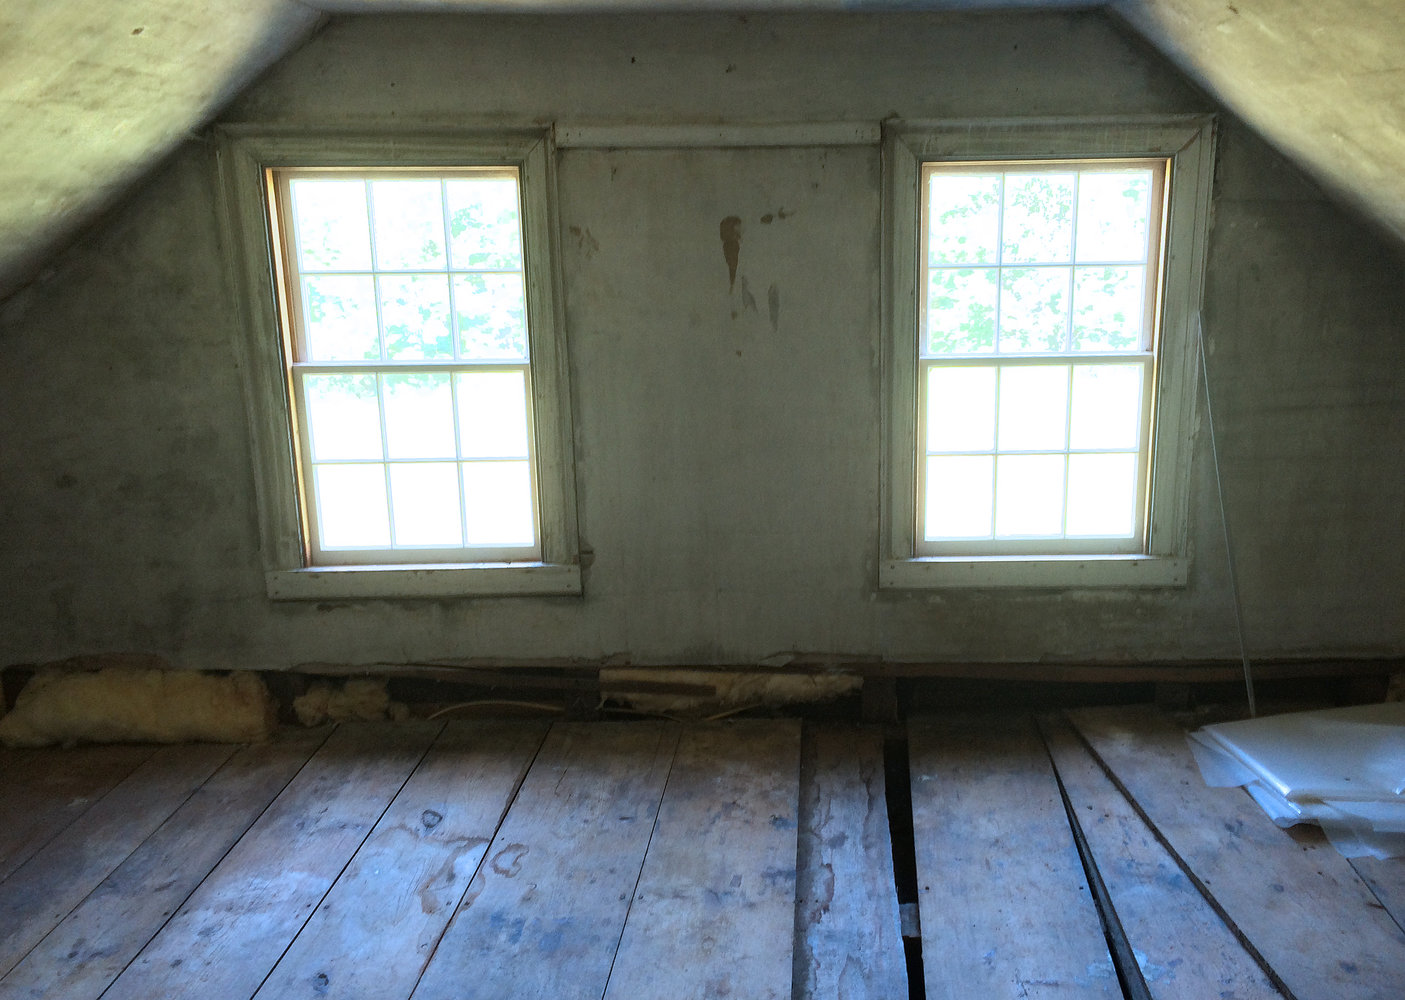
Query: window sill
[1028, 571]
[436, 580]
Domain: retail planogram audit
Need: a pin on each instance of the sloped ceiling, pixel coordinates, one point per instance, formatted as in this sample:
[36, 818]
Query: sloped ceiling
[93, 94]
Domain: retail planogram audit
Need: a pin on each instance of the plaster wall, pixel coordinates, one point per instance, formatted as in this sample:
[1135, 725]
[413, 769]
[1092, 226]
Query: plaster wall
[726, 436]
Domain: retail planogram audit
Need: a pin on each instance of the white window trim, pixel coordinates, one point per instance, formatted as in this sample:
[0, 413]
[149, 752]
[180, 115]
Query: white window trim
[244, 153]
[1189, 142]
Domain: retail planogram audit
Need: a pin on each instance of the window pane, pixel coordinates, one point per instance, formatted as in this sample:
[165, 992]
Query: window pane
[484, 230]
[1029, 495]
[419, 416]
[498, 501]
[493, 415]
[1033, 309]
[961, 311]
[1102, 495]
[963, 216]
[491, 316]
[409, 225]
[330, 220]
[960, 409]
[959, 495]
[1107, 308]
[340, 315]
[343, 416]
[425, 499]
[1107, 407]
[415, 311]
[1113, 215]
[351, 507]
[1033, 407]
[1038, 218]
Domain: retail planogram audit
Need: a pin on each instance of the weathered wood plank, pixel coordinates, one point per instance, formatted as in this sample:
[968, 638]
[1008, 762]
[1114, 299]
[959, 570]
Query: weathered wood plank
[542, 916]
[714, 911]
[373, 934]
[1295, 899]
[1183, 948]
[1386, 880]
[848, 934]
[43, 791]
[43, 890]
[231, 931]
[1006, 911]
[85, 952]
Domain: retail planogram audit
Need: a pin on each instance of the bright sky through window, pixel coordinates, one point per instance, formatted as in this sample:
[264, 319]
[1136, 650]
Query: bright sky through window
[1036, 355]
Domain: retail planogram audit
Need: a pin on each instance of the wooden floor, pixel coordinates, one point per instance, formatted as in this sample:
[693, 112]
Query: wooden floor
[634, 860]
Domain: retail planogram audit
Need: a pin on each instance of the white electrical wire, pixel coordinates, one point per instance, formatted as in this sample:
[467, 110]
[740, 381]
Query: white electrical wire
[1224, 518]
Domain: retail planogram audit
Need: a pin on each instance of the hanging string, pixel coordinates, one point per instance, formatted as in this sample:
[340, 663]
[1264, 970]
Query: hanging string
[1224, 519]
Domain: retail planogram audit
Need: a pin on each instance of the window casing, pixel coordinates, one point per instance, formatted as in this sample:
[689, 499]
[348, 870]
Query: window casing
[406, 365]
[1041, 279]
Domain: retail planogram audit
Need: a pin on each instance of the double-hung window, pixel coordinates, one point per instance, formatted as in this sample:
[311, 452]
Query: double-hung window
[416, 442]
[1043, 281]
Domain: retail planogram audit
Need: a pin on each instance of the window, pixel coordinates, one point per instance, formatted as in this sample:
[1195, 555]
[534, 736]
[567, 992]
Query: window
[1042, 283]
[408, 390]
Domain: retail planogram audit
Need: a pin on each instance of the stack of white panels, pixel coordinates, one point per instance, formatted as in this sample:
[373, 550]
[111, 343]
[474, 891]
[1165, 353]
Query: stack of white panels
[1341, 768]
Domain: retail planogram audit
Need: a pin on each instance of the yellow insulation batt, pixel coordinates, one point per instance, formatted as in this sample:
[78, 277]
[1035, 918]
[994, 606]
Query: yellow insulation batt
[127, 705]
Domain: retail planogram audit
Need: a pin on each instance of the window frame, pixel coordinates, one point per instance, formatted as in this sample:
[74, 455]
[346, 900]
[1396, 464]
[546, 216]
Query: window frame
[245, 157]
[1188, 143]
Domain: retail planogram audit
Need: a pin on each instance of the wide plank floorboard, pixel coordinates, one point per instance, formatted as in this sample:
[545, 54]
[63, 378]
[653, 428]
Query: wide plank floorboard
[848, 937]
[42, 891]
[542, 917]
[377, 927]
[1005, 909]
[714, 912]
[84, 953]
[52, 787]
[1297, 901]
[1183, 948]
[236, 925]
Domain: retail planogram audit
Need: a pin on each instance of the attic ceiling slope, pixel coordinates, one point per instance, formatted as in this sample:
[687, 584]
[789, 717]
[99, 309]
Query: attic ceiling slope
[93, 94]
[1323, 80]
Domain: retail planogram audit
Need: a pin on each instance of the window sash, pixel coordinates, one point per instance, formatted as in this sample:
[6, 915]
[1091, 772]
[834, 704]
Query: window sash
[289, 290]
[999, 360]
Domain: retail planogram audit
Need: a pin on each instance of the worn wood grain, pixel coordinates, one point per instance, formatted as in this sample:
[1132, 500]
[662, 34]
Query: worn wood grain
[848, 934]
[42, 791]
[714, 912]
[543, 914]
[231, 931]
[1006, 911]
[1183, 948]
[1294, 899]
[43, 890]
[1386, 880]
[85, 952]
[377, 927]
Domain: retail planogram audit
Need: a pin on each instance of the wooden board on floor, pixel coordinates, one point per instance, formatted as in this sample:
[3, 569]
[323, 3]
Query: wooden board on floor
[1005, 908]
[42, 791]
[1295, 899]
[85, 952]
[1184, 949]
[1386, 880]
[233, 928]
[43, 890]
[542, 917]
[714, 911]
[848, 937]
[373, 934]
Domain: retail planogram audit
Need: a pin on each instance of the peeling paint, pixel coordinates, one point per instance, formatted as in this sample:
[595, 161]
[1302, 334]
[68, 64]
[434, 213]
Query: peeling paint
[731, 231]
[748, 300]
